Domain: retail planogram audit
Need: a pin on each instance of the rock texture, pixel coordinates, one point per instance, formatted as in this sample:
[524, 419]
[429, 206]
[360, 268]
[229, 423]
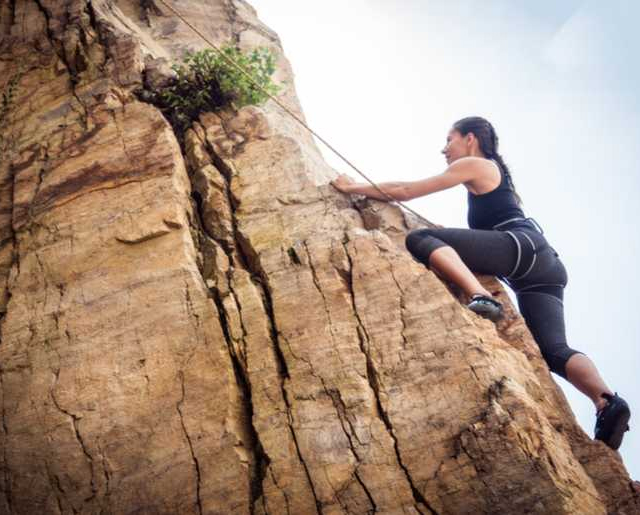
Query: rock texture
[211, 328]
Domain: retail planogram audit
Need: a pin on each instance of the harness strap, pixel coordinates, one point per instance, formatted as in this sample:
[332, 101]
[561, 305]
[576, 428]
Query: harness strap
[555, 290]
[541, 287]
[519, 254]
[535, 224]
[535, 250]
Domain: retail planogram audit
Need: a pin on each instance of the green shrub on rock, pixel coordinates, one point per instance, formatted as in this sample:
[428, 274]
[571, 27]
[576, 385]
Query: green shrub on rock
[206, 81]
[6, 104]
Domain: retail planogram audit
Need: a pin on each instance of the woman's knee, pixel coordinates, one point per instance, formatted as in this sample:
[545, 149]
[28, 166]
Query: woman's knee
[543, 312]
[557, 359]
[421, 243]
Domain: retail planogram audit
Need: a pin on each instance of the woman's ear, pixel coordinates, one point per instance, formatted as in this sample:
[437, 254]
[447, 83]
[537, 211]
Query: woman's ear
[470, 138]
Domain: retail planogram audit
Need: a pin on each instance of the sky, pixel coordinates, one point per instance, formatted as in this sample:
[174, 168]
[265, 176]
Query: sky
[558, 79]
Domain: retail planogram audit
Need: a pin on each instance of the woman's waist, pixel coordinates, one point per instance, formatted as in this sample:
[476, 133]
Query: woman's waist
[526, 229]
[520, 223]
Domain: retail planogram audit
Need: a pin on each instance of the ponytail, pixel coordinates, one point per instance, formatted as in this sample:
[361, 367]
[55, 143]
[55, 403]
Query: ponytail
[507, 174]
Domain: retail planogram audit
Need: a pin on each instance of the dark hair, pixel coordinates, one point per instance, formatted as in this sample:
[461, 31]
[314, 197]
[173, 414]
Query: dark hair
[488, 140]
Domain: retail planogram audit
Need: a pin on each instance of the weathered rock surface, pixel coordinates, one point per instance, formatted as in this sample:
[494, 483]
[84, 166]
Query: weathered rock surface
[215, 329]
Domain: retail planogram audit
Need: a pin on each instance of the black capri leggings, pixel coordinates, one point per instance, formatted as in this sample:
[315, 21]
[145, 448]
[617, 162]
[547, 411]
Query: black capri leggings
[521, 257]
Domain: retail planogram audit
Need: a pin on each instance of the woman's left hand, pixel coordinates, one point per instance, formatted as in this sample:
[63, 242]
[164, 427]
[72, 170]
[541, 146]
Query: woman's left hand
[341, 182]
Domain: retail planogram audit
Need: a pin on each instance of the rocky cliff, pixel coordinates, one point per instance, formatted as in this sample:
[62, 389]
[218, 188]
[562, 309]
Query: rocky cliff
[209, 327]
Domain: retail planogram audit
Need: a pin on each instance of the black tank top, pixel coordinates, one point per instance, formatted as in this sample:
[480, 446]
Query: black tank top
[491, 208]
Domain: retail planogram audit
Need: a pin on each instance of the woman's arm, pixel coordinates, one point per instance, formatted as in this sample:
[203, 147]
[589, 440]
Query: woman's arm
[460, 171]
[393, 189]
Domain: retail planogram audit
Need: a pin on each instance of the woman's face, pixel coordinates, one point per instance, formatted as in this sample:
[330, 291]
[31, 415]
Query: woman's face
[456, 147]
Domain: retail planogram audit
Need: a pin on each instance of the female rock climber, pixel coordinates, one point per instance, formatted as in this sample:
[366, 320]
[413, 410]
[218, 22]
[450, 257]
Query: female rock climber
[501, 242]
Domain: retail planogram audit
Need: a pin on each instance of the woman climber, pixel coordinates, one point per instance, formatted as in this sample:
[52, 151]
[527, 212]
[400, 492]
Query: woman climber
[501, 242]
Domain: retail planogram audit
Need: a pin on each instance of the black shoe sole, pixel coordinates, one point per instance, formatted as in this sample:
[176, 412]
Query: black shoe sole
[493, 314]
[620, 426]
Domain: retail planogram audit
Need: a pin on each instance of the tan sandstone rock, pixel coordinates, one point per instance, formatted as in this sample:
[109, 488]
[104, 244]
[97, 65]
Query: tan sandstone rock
[212, 328]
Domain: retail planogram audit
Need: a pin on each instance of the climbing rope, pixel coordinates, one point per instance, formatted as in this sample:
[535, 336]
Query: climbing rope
[288, 111]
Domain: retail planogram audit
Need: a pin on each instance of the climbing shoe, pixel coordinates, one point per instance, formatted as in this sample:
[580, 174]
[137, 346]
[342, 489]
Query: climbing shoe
[486, 307]
[611, 421]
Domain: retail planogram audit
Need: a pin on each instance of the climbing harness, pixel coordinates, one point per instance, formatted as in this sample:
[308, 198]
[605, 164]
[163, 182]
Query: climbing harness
[293, 115]
[515, 222]
[519, 219]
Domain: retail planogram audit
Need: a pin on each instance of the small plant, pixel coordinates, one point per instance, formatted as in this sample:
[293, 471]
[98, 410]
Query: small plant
[7, 97]
[7, 100]
[206, 81]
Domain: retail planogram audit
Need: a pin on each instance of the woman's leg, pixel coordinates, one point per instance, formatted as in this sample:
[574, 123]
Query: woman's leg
[456, 254]
[447, 262]
[544, 315]
[582, 373]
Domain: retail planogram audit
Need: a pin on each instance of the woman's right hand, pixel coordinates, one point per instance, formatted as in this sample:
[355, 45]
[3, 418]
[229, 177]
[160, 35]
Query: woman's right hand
[342, 182]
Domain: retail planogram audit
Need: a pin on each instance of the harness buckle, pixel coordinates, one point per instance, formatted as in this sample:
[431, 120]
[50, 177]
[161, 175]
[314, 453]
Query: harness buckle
[536, 224]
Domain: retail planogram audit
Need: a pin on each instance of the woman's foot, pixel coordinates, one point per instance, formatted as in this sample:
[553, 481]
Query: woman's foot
[612, 421]
[486, 307]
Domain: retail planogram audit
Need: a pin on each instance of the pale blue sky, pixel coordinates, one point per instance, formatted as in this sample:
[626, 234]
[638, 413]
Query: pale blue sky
[383, 82]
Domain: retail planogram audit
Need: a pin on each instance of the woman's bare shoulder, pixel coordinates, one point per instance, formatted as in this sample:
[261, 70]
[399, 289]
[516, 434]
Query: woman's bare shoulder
[487, 176]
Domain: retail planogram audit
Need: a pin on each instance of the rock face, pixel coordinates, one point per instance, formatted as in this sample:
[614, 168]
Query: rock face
[212, 328]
